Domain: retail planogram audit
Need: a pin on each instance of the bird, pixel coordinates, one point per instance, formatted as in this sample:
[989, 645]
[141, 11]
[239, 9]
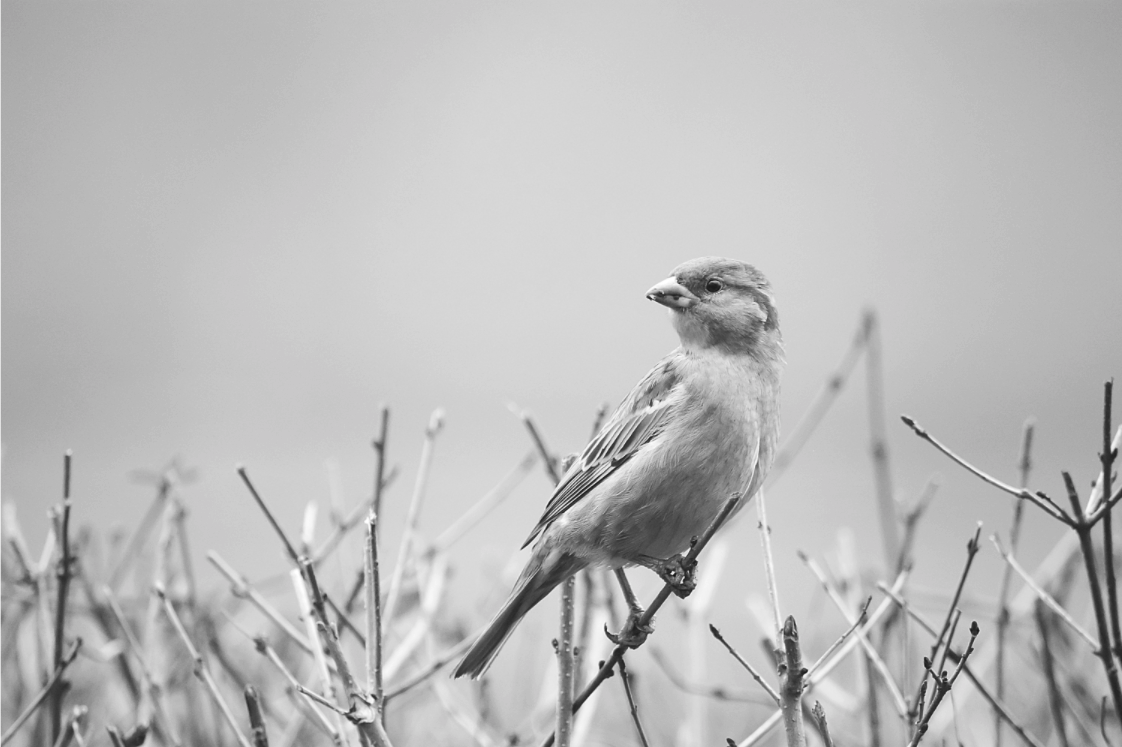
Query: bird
[701, 426]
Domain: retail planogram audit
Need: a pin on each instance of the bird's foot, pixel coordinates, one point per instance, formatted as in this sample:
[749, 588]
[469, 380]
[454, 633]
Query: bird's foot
[681, 577]
[633, 633]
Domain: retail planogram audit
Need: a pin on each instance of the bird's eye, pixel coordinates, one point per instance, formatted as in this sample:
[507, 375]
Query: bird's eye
[714, 285]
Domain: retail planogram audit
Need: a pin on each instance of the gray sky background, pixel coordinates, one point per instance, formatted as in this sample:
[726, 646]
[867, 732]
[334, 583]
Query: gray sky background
[231, 231]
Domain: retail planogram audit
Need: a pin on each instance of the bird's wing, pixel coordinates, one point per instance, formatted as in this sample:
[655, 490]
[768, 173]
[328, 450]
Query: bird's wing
[640, 418]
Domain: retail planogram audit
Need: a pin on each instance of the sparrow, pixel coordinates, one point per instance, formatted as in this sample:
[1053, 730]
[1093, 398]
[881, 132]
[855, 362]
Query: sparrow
[702, 426]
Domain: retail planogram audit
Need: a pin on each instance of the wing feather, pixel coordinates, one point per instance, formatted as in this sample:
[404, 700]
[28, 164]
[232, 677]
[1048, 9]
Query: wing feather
[638, 420]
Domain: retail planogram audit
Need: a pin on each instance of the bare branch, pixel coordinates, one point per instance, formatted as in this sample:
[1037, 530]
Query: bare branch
[744, 663]
[1038, 499]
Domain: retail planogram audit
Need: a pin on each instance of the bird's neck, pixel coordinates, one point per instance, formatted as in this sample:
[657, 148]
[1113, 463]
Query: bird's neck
[764, 348]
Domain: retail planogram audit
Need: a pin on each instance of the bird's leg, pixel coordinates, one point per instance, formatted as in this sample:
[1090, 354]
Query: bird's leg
[633, 633]
[674, 570]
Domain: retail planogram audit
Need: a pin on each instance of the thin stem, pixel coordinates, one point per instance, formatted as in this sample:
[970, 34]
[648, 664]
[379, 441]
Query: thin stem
[349, 522]
[998, 707]
[413, 515]
[425, 674]
[263, 647]
[1055, 701]
[256, 717]
[819, 714]
[886, 501]
[373, 599]
[484, 505]
[361, 713]
[792, 674]
[1083, 529]
[744, 663]
[874, 657]
[1107, 458]
[821, 668]
[769, 570]
[202, 672]
[1025, 465]
[608, 666]
[38, 699]
[943, 686]
[240, 588]
[63, 574]
[1043, 595]
[551, 465]
[631, 704]
[565, 666]
[1038, 499]
[288, 548]
[802, 431]
[380, 468]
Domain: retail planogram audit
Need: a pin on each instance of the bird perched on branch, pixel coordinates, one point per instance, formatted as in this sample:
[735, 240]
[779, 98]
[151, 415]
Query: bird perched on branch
[701, 426]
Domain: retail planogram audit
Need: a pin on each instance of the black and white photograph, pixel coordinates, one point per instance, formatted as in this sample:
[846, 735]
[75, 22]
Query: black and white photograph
[589, 374]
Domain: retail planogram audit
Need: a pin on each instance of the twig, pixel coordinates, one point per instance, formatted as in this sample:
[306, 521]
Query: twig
[1107, 458]
[952, 608]
[1044, 596]
[564, 646]
[1039, 499]
[791, 675]
[997, 706]
[430, 596]
[256, 717]
[607, 667]
[319, 649]
[73, 729]
[769, 570]
[379, 445]
[551, 465]
[139, 535]
[820, 716]
[349, 522]
[871, 652]
[431, 669]
[861, 618]
[626, 679]
[292, 554]
[943, 686]
[202, 672]
[716, 692]
[151, 690]
[373, 599]
[744, 663]
[1025, 465]
[1055, 702]
[1083, 529]
[436, 422]
[821, 404]
[821, 668]
[887, 508]
[62, 573]
[362, 713]
[65, 662]
[240, 588]
[911, 522]
[484, 505]
[263, 647]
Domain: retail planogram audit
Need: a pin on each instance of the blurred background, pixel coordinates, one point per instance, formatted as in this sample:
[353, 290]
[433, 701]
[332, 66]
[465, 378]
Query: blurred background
[231, 232]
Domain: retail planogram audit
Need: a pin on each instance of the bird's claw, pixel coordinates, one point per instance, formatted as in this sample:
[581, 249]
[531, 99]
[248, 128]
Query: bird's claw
[633, 633]
[681, 577]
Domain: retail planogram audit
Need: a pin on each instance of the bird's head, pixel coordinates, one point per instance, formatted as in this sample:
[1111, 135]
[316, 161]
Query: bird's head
[720, 303]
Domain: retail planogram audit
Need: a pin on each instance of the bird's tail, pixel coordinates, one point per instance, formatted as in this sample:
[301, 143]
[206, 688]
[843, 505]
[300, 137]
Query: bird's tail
[535, 583]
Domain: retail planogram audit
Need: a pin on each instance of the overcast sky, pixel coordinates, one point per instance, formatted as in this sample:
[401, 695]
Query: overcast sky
[231, 231]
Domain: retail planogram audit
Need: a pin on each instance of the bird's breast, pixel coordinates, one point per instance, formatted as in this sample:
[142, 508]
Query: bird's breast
[721, 441]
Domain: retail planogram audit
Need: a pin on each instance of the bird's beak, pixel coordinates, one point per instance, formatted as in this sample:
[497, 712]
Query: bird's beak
[671, 294]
